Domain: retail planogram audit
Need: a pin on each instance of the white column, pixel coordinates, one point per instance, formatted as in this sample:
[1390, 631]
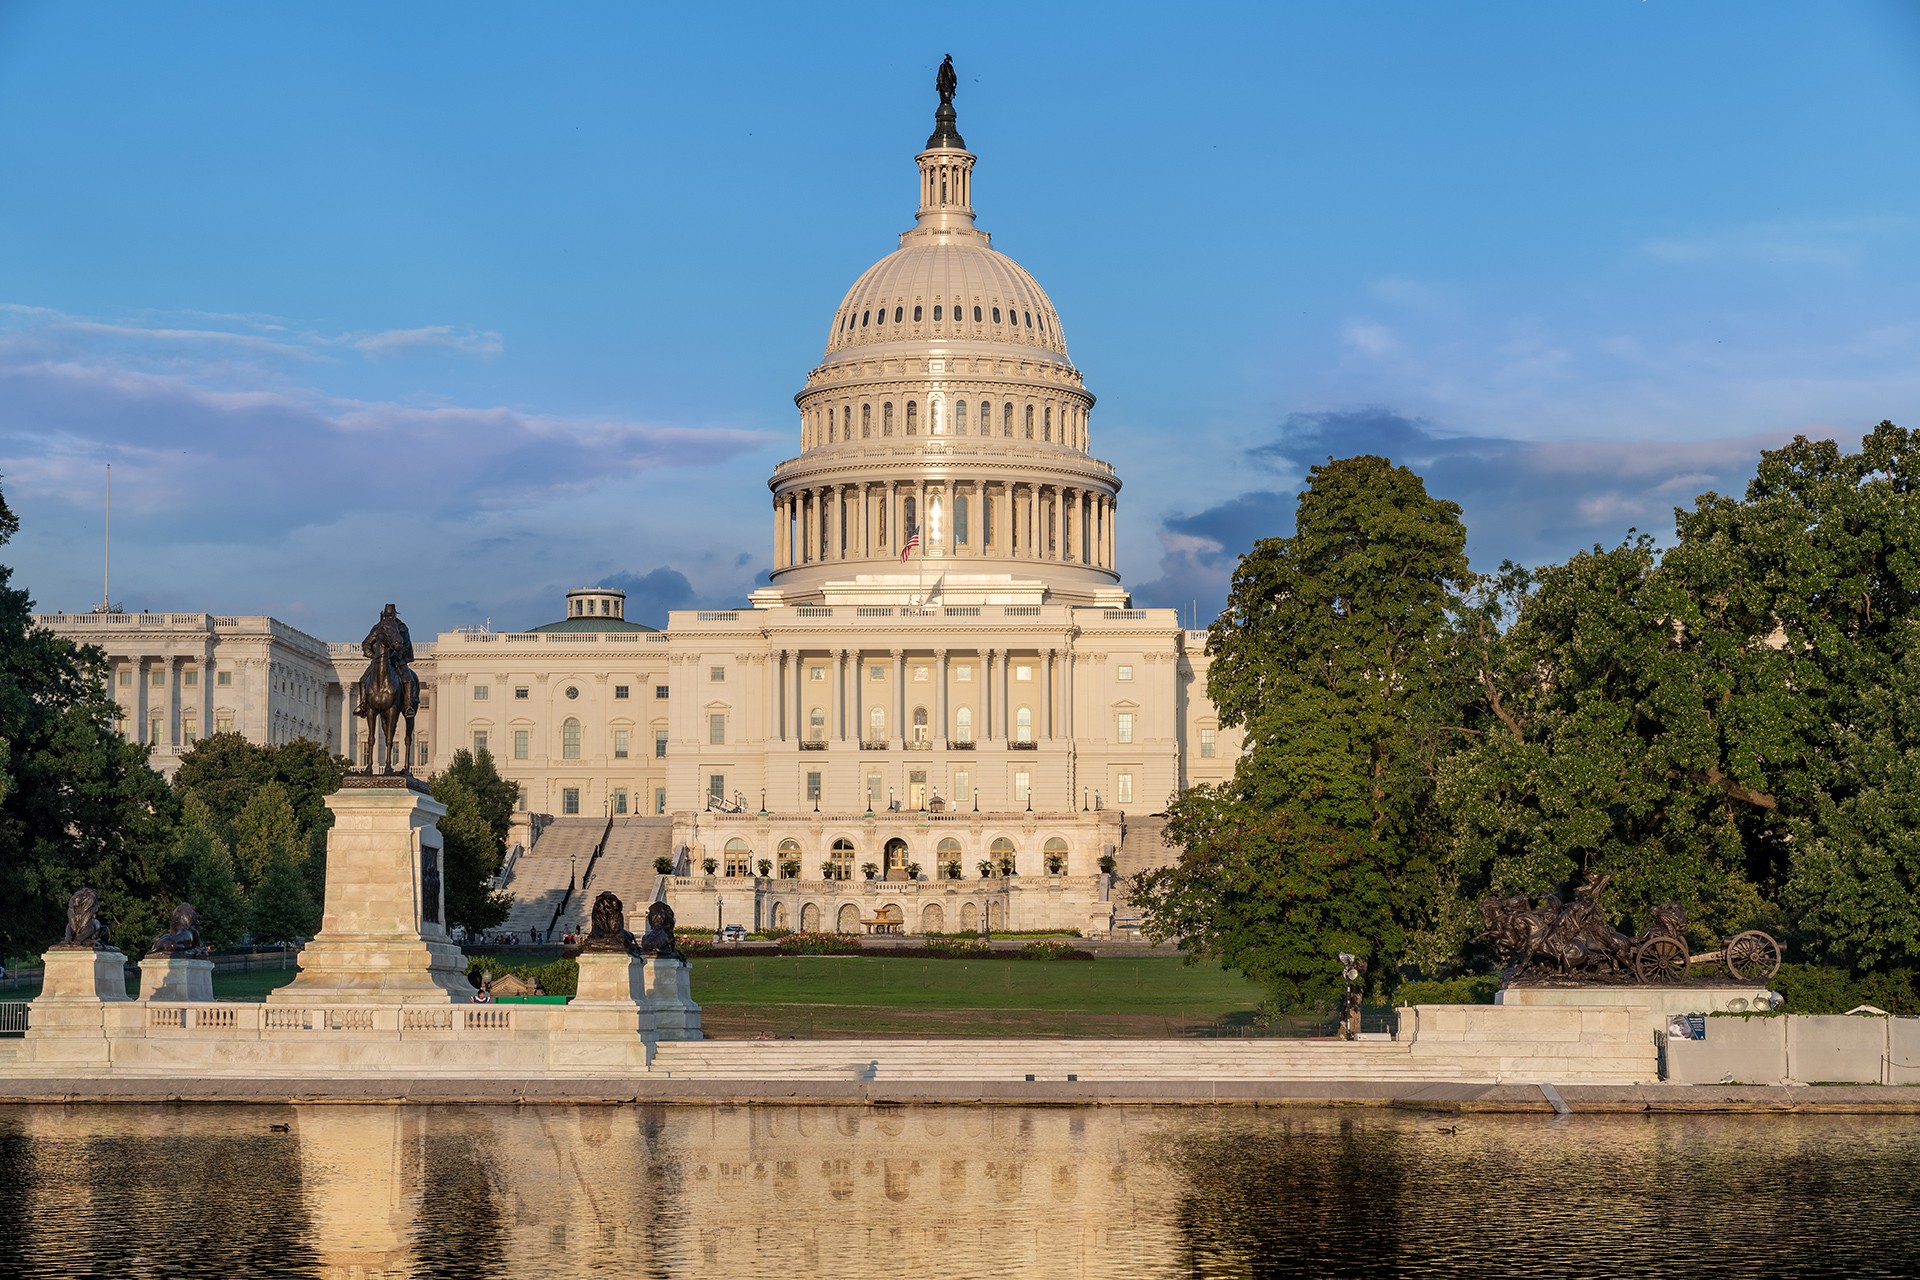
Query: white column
[899, 731]
[940, 702]
[987, 718]
[1046, 694]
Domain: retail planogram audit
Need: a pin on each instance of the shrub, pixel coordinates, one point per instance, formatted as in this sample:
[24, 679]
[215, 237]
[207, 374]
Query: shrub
[766, 867]
[871, 870]
[1107, 863]
[663, 865]
[820, 944]
[1465, 989]
[790, 868]
[1049, 949]
[709, 865]
[1813, 988]
[556, 977]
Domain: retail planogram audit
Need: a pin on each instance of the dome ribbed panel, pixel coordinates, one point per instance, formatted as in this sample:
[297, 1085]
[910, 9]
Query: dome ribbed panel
[939, 273]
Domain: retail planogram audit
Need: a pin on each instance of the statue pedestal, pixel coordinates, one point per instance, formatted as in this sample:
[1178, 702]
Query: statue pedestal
[669, 995]
[383, 936]
[69, 1017]
[1659, 1003]
[171, 978]
[81, 975]
[608, 1001]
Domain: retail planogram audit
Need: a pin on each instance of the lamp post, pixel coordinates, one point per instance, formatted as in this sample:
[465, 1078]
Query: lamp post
[719, 915]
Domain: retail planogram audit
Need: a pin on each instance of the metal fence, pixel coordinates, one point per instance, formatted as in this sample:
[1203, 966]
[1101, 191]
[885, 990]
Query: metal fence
[13, 1017]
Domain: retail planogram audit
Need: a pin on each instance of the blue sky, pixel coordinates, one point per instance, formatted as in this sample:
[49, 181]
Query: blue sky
[461, 305]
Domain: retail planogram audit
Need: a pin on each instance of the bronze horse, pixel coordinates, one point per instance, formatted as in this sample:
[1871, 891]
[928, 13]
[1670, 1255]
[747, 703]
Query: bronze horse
[388, 691]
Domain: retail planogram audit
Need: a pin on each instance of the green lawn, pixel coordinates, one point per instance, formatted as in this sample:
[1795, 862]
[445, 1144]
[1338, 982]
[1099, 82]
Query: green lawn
[906, 996]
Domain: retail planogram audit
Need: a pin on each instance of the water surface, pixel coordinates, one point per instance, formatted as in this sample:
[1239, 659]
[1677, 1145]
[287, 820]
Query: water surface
[947, 1191]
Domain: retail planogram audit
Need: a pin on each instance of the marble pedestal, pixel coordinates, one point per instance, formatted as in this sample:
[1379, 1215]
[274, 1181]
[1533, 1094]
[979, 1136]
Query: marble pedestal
[383, 936]
[82, 975]
[610, 997]
[1660, 1003]
[171, 978]
[69, 1017]
[669, 995]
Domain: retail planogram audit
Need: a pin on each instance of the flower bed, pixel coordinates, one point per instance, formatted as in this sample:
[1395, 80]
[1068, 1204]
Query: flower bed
[820, 944]
[957, 945]
[1050, 949]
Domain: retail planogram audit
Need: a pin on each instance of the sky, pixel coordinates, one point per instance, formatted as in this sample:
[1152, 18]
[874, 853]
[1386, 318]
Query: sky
[462, 305]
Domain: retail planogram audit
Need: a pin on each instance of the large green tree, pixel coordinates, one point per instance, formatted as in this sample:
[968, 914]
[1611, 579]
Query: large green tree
[226, 771]
[79, 805]
[496, 796]
[471, 858]
[1337, 654]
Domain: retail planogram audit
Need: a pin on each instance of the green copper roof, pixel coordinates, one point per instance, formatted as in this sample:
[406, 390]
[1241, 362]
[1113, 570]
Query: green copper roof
[594, 624]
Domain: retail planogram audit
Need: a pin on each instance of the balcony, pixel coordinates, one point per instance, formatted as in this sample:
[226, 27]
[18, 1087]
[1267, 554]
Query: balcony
[920, 744]
[1023, 746]
[881, 745]
[966, 745]
[813, 744]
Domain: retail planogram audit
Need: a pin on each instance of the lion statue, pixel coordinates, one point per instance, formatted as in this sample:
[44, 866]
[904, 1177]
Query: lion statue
[182, 937]
[609, 931]
[84, 926]
[658, 939]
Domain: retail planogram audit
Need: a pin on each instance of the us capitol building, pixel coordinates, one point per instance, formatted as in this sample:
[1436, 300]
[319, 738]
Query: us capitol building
[945, 675]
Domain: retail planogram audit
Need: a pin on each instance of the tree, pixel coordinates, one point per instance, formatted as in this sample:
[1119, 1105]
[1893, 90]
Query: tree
[225, 771]
[470, 858]
[497, 797]
[1336, 654]
[282, 909]
[209, 886]
[264, 828]
[79, 805]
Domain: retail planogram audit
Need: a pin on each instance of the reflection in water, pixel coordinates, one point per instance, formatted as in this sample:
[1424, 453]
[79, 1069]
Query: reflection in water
[372, 1192]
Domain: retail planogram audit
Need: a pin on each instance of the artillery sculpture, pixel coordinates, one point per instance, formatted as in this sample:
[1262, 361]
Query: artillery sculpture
[1573, 939]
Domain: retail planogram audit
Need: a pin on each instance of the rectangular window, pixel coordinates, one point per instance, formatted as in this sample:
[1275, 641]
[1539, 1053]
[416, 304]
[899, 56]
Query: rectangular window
[520, 737]
[479, 741]
[920, 675]
[621, 739]
[716, 675]
[520, 797]
[619, 800]
[963, 674]
[425, 755]
[189, 726]
[659, 799]
[153, 731]
[962, 787]
[1206, 743]
[570, 740]
[659, 744]
[520, 693]
[1125, 726]
[717, 786]
[1123, 791]
[876, 673]
[481, 692]
[717, 730]
[1023, 672]
[1022, 786]
[875, 792]
[222, 678]
[158, 678]
[126, 679]
[223, 724]
[621, 693]
[813, 787]
[570, 800]
[190, 677]
[816, 673]
[1123, 672]
[660, 691]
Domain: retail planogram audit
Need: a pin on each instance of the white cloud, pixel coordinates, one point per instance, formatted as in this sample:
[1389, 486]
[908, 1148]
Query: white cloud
[437, 337]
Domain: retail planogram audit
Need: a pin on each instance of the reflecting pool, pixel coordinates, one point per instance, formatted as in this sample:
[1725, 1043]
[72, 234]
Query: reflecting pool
[366, 1192]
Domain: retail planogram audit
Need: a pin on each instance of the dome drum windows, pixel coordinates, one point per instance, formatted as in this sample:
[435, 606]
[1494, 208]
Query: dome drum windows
[913, 418]
[916, 313]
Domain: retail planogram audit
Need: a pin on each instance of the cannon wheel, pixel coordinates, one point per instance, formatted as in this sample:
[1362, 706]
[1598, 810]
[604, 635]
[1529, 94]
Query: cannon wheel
[1661, 959]
[1753, 956]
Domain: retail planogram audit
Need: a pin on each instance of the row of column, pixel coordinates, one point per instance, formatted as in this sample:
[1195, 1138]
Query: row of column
[1004, 519]
[847, 718]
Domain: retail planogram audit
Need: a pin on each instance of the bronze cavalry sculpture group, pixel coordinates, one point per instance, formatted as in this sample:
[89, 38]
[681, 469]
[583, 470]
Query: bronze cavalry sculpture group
[1552, 938]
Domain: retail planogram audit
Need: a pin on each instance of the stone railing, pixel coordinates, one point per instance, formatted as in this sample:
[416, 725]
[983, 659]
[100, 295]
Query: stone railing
[264, 1021]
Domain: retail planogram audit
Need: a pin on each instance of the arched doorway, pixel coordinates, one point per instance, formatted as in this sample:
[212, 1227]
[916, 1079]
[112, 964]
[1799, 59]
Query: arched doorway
[969, 918]
[896, 864]
[849, 919]
[932, 918]
[779, 917]
[809, 918]
[996, 915]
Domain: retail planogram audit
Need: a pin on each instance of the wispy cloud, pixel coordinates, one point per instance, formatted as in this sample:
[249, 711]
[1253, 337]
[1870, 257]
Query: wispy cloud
[437, 337]
[1840, 243]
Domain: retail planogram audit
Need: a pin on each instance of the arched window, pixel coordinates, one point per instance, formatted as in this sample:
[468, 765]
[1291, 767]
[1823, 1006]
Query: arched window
[1027, 314]
[1029, 422]
[866, 421]
[959, 521]
[913, 418]
[864, 317]
[909, 515]
[1001, 853]
[963, 724]
[1023, 725]
[841, 859]
[886, 418]
[1054, 856]
[959, 417]
[877, 724]
[738, 858]
[919, 724]
[996, 315]
[916, 313]
[976, 315]
[897, 313]
[883, 316]
[789, 859]
[936, 313]
[846, 422]
[570, 739]
[817, 724]
[1006, 420]
[947, 855]
[1047, 424]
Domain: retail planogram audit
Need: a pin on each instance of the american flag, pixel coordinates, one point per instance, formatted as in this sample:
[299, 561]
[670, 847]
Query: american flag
[913, 544]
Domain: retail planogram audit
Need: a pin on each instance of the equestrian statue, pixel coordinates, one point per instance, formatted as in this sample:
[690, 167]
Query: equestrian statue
[388, 691]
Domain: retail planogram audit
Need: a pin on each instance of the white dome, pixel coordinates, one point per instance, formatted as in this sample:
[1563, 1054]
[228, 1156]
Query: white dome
[980, 296]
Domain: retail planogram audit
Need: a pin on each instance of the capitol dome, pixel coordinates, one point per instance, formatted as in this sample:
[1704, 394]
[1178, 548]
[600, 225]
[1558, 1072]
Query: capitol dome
[945, 422]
